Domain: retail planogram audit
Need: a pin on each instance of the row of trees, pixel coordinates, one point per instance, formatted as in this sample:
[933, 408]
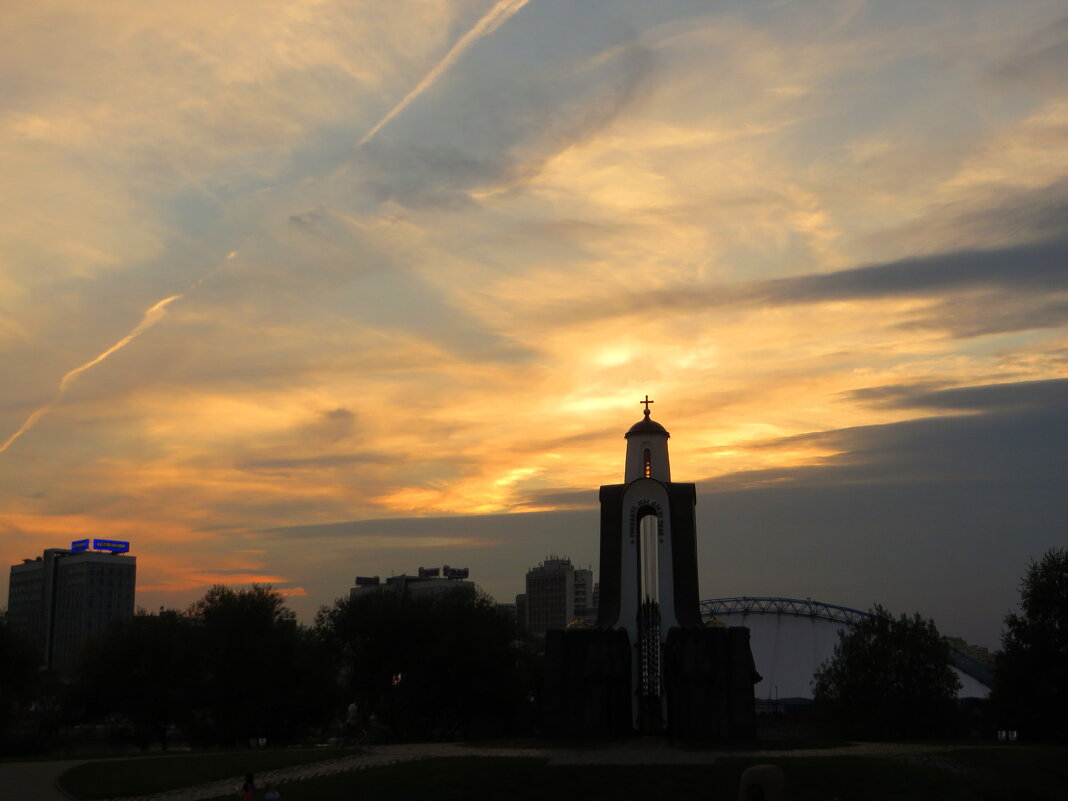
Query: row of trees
[237, 665]
[234, 665]
[889, 677]
[436, 667]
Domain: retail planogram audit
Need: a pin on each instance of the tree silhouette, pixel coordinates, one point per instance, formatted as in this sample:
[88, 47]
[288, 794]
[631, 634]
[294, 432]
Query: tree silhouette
[1031, 671]
[257, 672]
[140, 669]
[436, 666]
[234, 666]
[889, 678]
[18, 683]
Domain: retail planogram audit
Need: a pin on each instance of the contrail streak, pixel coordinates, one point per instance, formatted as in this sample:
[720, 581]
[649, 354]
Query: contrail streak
[153, 315]
[491, 21]
[150, 318]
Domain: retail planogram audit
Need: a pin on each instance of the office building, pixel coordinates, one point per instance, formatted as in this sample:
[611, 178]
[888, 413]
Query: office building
[429, 581]
[557, 594]
[60, 600]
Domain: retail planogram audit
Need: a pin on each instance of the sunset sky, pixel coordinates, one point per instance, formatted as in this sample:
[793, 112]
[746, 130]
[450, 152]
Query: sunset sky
[296, 291]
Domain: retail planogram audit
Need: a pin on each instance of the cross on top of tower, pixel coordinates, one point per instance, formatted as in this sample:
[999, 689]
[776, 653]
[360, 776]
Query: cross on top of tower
[646, 402]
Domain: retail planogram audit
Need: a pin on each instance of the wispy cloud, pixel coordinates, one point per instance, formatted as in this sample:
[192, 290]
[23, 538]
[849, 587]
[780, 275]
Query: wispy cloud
[1018, 396]
[828, 242]
[1037, 269]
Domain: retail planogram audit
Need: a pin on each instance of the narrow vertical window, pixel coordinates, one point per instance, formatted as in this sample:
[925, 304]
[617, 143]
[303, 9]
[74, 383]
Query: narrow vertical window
[648, 460]
[649, 557]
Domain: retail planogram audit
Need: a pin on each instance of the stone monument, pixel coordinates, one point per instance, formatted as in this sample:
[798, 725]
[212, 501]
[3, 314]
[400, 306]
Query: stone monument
[649, 665]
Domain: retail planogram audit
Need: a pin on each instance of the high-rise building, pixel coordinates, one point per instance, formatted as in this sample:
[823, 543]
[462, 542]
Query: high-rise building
[557, 594]
[61, 599]
[585, 608]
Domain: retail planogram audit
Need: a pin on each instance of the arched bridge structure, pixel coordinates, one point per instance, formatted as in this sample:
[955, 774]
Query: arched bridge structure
[832, 613]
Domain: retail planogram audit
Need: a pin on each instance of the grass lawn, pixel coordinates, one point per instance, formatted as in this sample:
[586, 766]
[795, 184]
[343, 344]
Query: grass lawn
[153, 774]
[980, 774]
[1018, 774]
[1013, 773]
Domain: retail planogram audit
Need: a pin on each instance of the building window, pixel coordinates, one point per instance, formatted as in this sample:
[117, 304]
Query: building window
[647, 459]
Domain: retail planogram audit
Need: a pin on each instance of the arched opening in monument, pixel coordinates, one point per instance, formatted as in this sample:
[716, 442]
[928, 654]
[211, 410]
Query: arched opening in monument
[648, 554]
[649, 681]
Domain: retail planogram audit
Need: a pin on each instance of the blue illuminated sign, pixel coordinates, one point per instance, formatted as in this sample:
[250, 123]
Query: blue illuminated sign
[115, 546]
[79, 545]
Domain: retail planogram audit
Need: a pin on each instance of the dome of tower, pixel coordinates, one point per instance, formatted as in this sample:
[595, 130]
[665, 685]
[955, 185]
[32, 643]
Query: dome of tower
[646, 426]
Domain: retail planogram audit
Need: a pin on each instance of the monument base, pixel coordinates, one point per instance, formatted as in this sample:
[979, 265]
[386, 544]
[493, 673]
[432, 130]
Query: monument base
[709, 675]
[708, 680]
[587, 691]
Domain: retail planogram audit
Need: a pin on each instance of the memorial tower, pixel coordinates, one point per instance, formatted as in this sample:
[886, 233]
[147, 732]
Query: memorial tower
[649, 664]
[648, 560]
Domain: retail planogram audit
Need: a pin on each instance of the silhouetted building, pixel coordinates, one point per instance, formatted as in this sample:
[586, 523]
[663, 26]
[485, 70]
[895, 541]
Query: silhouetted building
[557, 594]
[428, 581]
[649, 664]
[61, 599]
[585, 604]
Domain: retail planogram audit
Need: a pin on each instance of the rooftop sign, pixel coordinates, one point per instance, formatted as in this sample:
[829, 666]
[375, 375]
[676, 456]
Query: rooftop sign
[79, 545]
[115, 546]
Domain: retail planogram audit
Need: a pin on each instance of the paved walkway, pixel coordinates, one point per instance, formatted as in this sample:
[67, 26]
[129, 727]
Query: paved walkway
[36, 781]
[33, 781]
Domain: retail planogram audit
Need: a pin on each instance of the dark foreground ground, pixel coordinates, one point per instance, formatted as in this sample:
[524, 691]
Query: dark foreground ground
[635, 769]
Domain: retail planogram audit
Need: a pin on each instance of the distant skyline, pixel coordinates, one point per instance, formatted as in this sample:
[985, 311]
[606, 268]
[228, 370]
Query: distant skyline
[292, 292]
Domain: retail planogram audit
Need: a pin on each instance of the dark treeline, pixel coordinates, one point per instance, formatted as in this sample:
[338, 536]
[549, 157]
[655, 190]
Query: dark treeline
[237, 666]
[889, 677]
[20, 688]
[430, 667]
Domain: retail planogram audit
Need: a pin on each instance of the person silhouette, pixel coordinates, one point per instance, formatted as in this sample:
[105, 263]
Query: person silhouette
[247, 791]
